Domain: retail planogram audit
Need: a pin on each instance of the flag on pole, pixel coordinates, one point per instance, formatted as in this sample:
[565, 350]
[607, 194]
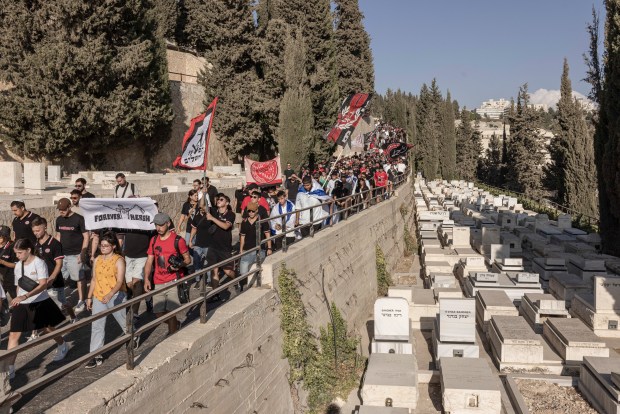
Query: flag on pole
[351, 111]
[396, 149]
[195, 147]
[263, 173]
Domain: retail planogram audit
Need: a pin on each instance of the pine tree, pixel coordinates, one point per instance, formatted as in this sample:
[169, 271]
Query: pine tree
[526, 159]
[355, 67]
[490, 166]
[166, 15]
[447, 140]
[296, 126]
[86, 77]
[231, 74]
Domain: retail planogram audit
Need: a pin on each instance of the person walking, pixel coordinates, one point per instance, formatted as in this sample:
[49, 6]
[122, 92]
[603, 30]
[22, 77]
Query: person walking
[33, 309]
[247, 239]
[124, 189]
[107, 289]
[7, 261]
[188, 210]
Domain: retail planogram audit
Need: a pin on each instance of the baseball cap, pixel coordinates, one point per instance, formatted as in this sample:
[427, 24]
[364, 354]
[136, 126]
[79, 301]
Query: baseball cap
[252, 206]
[63, 204]
[5, 232]
[160, 219]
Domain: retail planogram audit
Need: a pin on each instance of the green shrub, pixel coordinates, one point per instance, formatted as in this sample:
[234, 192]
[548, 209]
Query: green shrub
[384, 281]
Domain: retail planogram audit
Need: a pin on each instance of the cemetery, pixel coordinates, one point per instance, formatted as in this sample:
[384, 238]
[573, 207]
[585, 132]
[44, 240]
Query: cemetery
[501, 291]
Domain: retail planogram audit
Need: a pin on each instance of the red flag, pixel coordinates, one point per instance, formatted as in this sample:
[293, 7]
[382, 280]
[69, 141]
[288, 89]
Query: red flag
[350, 113]
[263, 173]
[195, 147]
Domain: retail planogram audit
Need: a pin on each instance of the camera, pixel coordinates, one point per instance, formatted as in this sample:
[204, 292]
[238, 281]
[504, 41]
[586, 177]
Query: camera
[175, 262]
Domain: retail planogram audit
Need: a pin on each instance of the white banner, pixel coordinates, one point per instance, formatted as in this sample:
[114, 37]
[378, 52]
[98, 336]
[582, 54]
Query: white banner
[122, 213]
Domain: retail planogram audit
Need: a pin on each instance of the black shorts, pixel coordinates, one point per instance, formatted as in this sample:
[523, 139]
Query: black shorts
[37, 315]
[215, 256]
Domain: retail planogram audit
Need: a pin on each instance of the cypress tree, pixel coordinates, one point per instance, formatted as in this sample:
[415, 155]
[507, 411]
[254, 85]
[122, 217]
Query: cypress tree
[427, 130]
[526, 159]
[296, 121]
[468, 148]
[490, 166]
[447, 140]
[607, 137]
[85, 78]
[355, 67]
[572, 168]
[166, 15]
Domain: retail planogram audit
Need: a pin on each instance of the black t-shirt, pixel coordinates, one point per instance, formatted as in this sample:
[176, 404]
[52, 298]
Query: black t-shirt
[222, 239]
[49, 251]
[239, 196]
[212, 192]
[248, 230]
[22, 227]
[71, 229]
[288, 172]
[293, 189]
[88, 195]
[201, 224]
[7, 254]
[186, 211]
[262, 212]
[136, 243]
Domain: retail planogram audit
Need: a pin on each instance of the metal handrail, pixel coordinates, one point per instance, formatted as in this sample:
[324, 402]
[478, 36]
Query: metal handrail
[129, 337]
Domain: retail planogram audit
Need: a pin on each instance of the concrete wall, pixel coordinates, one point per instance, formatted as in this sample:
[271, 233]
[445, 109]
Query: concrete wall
[346, 252]
[234, 364]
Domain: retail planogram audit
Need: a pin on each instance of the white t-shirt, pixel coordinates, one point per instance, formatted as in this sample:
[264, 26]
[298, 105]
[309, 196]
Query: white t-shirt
[36, 270]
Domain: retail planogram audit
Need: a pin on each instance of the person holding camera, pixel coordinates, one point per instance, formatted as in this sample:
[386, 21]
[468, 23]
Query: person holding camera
[169, 253]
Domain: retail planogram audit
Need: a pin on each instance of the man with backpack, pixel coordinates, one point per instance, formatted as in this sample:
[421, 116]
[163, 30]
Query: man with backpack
[163, 246]
[124, 189]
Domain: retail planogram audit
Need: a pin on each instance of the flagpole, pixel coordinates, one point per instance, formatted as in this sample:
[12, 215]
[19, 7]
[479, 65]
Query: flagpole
[207, 134]
[332, 168]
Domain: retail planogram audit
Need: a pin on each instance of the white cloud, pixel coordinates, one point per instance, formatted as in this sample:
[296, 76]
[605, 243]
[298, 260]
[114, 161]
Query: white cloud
[550, 98]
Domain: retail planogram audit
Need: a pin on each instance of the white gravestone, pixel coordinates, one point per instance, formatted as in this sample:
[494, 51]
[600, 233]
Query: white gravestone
[11, 176]
[54, 174]
[607, 293]
[487, 277]
[392, 319]
[457, 320]
[34, 178]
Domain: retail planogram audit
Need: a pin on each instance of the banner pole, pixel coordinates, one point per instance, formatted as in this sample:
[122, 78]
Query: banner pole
[332, 168]
[204, 171]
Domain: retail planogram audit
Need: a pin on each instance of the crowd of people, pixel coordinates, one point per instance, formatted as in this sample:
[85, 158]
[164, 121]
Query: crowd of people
[109, 266]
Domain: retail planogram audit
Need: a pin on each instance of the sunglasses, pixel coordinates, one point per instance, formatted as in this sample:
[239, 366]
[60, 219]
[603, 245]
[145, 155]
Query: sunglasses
[252, 211]
[254, 197]
[75, 198]
[221, 199]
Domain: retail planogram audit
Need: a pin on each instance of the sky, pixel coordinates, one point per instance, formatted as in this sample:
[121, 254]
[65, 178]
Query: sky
[479, 49]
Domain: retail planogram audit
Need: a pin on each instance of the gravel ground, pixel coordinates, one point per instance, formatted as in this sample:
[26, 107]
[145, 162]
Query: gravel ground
[544, 397]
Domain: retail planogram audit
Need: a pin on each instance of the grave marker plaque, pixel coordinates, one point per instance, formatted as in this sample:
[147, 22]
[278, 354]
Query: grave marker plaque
[392, 319]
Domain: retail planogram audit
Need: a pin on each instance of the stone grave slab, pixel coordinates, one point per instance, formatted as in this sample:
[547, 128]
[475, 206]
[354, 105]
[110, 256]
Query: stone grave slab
[400, 291]
[391, 319]
[443, 280]
[491, 303]
[573, 340]
[34, 178]
[11, 177]
[444, 293]
[369, 409]
[391, 376]
[468, 385]
[457, 321]
[54, 173]
[565, 285]
[513, 342]
[423, 308]
[537, 307]
[596, 384]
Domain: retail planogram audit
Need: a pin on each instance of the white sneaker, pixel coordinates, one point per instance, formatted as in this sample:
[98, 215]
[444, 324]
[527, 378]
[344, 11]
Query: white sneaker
[61, 352]
[33, 336]
[79, 308]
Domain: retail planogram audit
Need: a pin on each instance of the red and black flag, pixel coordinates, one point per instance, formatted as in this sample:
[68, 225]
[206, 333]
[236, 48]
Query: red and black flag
[195, 145]
[351, 111]
[395, 150]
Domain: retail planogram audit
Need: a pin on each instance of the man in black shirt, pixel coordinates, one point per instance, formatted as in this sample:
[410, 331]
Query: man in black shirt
[21, 222]
[7, 262]
[50, 250]
[80, 184]
[220, 242]
[247, 238]
[72, 234]
[292, 187]
[210, 190]
[289, 171]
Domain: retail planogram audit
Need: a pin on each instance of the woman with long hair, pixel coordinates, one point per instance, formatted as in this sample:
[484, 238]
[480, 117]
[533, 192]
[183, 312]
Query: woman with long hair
[33, 309]
[107, 289]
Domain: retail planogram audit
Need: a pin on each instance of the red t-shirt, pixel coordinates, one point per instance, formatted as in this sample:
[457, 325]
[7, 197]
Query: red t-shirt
[261, 202]
[381, 178]
[162, 250]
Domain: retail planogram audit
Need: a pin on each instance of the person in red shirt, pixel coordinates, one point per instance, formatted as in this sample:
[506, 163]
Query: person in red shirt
[381, 182]
[161, 247]
[256, 197]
